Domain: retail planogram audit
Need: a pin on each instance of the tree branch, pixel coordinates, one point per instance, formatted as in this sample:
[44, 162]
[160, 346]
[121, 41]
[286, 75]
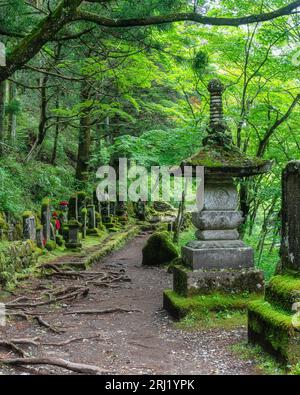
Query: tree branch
[67, 12]
[264, 142]
[192, 16]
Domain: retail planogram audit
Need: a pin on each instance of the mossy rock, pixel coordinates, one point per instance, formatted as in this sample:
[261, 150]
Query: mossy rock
[111, 226]
[82, 195]
[159, 250]
[162, 206]
[59, 240]
[273, 329]
[114, 229]
[84, 212]
[46, 202]
[74, 246]
[94, 232]
[74, 224]
[27, 214]
[15, 258]
[179, 306]
[283, 291]
[50, 245]
[3, 223]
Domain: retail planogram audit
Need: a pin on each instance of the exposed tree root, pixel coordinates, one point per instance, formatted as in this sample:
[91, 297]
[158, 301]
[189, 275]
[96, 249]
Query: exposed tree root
[13, 347]
[62, 363]
[53, 298]
[46, 324]
[39, 320]
[107, 311]
[12, 343]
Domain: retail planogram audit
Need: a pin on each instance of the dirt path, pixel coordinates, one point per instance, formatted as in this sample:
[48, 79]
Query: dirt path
[144, 341]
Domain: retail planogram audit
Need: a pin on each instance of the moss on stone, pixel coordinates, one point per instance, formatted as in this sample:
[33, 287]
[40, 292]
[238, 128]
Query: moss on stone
[3, 223]
[283, 291]
[59, 240]
[176, 262]
[220, 157]
[17, 258]
[81, 194]
[94, 232]
[50, 245]
[74, 246]
[159, 250]
[27, 214]
[275, 316]
[179, 306]
[46, 202]
[114, 229]
[74, 224]
[273, 329]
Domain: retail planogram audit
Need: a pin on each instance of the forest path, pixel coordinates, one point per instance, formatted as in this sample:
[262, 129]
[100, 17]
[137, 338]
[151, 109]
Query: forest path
[145, 341]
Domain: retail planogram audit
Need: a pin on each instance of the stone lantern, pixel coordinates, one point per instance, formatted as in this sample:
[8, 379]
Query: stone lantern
[219, 260]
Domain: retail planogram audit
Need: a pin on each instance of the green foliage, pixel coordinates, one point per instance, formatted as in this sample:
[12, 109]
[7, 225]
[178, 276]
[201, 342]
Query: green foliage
[149, 101]
[200, 62]
[24, 185]
[264, 362]
[50, 245]
[13, 107]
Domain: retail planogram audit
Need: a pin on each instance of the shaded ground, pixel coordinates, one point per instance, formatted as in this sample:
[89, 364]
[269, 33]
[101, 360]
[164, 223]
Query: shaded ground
[143, 341]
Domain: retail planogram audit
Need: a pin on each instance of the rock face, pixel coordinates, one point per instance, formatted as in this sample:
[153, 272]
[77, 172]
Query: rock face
[274, 322]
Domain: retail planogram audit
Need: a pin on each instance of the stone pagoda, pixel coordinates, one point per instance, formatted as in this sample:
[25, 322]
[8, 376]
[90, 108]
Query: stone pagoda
[219, 260]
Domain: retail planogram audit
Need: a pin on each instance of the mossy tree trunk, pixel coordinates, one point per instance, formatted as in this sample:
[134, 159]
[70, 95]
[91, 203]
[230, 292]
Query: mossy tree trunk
[32, 43]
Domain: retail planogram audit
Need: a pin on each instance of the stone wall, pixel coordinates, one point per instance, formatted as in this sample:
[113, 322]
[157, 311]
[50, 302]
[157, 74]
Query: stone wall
[15, 257]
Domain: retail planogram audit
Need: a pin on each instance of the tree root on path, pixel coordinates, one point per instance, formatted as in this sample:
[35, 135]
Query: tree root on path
[53, 298]
[107, 311]
[62, 363]
[39, 320]
[12, 343]
[13, 347]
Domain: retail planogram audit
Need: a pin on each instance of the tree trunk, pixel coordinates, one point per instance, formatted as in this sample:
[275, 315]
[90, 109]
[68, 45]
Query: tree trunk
[2, 117]
[12, 117]
[54, 152]
[84, 138]
[43, 111]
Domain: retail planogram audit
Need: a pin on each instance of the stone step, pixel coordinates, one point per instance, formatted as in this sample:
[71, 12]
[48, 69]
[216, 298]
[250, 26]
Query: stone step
[283, 291]
[273, 329]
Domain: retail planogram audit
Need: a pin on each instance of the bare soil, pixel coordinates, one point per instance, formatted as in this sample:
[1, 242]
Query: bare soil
[144, 341]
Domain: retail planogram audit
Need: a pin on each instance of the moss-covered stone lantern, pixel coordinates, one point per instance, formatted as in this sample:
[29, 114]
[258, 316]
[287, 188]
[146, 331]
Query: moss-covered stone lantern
[219, 259]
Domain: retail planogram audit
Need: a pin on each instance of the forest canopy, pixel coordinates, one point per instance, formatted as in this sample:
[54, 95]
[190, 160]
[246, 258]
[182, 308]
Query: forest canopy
[86, 81]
